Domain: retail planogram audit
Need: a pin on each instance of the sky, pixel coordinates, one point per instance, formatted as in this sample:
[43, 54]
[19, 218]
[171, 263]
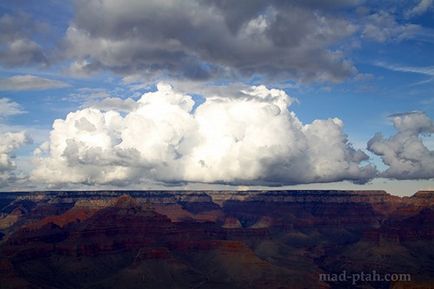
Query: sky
[209, 94]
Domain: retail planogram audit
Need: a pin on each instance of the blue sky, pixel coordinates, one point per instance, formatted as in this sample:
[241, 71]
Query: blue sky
[358, 61]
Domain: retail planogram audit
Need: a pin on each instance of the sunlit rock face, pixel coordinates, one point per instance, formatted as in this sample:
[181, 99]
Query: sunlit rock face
[227, 239]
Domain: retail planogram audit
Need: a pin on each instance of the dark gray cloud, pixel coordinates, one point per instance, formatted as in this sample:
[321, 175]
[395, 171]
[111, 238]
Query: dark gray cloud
[203, 39]
[16, 45]
[405, 153]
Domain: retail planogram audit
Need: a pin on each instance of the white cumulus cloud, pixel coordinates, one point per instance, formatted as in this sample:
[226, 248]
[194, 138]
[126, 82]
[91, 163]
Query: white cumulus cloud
[405, 153]
[9, 142]
[250, 138]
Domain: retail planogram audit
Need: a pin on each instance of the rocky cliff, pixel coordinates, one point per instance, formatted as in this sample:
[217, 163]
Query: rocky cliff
[212, 239]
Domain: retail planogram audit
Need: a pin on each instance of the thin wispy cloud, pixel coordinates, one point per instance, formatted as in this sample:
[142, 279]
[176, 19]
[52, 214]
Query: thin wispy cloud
[422, 7]
[9, 108]
[30, 82]
[426, 70]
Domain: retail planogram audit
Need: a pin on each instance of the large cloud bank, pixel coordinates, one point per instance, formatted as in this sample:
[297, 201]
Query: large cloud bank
[251, 138]
[405, 153]
[203, 39]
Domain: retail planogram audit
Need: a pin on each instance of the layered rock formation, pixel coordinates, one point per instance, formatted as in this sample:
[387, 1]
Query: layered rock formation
[212, 239]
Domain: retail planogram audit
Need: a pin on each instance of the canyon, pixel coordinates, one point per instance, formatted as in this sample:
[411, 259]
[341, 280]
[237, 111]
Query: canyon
[213, 239]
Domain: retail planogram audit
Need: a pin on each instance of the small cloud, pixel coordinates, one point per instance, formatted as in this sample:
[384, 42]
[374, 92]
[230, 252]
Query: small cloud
[9, 108]
[81, 69]
[426, 70]
[405, 153]
[102, 99]
[364, 77]
[422, 7]
[30, 82]
[115, 103]
[382, 27]
[17, 41]
[9, 143]
[89, 94]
